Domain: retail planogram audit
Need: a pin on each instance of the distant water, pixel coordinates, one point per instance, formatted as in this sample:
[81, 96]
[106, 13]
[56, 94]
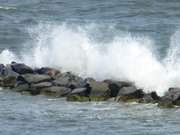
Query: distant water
[134, 40]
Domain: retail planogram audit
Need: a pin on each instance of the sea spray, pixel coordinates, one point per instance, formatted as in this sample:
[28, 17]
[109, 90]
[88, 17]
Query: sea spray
[123, 58]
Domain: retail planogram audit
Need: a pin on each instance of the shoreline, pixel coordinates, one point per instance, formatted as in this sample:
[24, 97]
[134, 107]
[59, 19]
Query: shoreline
[51, 82]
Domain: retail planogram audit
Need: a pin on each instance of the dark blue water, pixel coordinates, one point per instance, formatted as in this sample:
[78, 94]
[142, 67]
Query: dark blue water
[29, 24]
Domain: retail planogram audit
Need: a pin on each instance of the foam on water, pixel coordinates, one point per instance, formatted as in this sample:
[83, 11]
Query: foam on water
[7, 8]
[124, 58]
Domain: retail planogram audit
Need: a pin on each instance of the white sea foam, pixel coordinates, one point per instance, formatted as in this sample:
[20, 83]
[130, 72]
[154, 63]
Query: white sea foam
[7, 8]
[124, 58]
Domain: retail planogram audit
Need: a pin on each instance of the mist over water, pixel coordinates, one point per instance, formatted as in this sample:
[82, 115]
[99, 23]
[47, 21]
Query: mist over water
[124, 57]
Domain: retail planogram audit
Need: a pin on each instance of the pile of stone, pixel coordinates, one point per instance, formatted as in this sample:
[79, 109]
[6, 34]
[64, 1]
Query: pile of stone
[51, 82]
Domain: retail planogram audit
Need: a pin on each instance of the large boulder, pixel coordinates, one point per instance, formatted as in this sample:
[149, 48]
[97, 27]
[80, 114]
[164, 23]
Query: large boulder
[36, 78]
[68, 80]
[21, 68]
[8, 77]
[55, 91]
[130, 93]
[99, 89]
[8, 71]
[115, 86]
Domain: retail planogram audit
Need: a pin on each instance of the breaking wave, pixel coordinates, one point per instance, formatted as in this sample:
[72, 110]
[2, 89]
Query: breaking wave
[127, 57]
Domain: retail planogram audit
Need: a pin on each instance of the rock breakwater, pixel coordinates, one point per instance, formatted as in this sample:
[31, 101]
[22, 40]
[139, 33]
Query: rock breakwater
[52, 82]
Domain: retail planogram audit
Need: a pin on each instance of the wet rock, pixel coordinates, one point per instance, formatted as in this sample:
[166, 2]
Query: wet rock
[35, 91]
[68, 79]
[79, 91]
[41, 85]
[99, 89]
[129, 93]
[150, 98]
[171, 98]
[1, 82]
[56, 91]
[21, 68]
[36, 78]
[22, 87]
[9, 81]
[77, 98]
[48, 71]
[2, 67]
[115, 86]
[8, 72]
[8, 77]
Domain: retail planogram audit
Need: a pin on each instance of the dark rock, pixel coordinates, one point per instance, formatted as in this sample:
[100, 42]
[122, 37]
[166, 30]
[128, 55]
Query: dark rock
[22, 87]
[20, 80]
[36, 78]
[116, 86]
[34, 91]
[21, 68]
[171, 98]
[155, 96]
[150, 98]
[2, 67]
[48, 71]
[56, 91]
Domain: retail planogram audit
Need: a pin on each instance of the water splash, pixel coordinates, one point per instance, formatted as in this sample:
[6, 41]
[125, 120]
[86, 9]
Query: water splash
[124, 58]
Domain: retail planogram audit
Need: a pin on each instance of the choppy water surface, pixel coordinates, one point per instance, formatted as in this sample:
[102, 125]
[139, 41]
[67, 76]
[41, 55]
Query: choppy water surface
[135, 40]
[27, 115]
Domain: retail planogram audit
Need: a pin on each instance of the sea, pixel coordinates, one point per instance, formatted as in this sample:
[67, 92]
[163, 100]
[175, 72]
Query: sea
[124, 40]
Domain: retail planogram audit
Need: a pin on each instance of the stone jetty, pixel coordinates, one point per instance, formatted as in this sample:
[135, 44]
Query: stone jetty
[52, 82]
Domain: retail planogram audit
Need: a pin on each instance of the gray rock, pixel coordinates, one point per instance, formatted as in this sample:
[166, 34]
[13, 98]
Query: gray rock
[150, 98]
[99, 89]
[172, 97]
[8, 72]
[79, 91]
[9, 81]
[68, 79]
[8, 77]
[36, 78]
[41, 85]
[48, 71]
[173, 94]
[131, 91]
[22, 87]
[115, 86]
[56, 91]
[129, 94]
[21, 68]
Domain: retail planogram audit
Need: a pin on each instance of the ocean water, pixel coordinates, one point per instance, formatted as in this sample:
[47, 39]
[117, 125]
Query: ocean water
[131, 40]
